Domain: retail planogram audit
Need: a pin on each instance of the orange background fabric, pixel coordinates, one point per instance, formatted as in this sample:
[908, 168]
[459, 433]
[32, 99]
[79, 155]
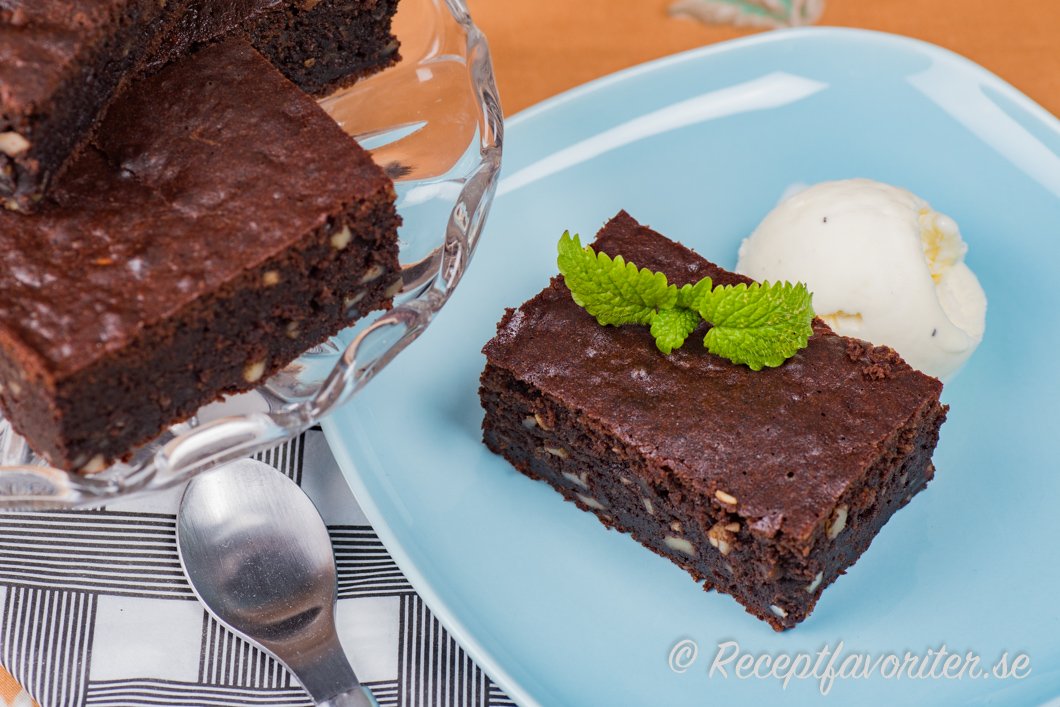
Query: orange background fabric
[543, 47]
[9, 689]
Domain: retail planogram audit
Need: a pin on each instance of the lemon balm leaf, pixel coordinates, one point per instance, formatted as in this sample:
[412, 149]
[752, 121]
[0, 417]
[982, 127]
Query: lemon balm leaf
[758, 325]
[612, 290]
[688, 295]
[671, 327]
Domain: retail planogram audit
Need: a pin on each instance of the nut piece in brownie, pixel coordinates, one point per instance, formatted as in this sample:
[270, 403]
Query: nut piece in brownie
[766, 484]
[220, 225]
[61, 64]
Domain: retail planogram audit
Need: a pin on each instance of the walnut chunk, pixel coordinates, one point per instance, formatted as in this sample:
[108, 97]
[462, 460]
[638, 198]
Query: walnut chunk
[352, 300]
[557, 452]
[726, 498]
[838, 522]
[580, 480]
[722, 535]
[394, 288]
[812, 586]
[95, 465]
[13, 144]
[340, 239]
[253, 372]
[372, 273]
[591, 502]
[680, 545]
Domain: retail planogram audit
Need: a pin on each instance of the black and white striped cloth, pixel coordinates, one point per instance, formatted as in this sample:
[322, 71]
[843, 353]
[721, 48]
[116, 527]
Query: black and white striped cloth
[95, 610]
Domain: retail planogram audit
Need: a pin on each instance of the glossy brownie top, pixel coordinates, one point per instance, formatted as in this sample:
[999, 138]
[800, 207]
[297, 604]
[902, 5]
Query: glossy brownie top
[201, 172]
[784, 442]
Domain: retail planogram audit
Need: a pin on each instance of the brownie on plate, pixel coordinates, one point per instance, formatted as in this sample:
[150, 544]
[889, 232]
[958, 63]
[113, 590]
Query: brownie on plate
[219, 225]
[767, 484]
[61, 64]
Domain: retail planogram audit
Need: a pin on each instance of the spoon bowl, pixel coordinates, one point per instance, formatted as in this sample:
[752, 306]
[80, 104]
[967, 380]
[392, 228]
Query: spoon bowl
[259, 558]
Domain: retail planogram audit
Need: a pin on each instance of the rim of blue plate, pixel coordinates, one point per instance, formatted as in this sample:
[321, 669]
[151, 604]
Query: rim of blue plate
[419, 582]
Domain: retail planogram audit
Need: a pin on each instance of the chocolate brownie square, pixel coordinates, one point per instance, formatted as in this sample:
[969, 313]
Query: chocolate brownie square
[219, 225]
[767, 485]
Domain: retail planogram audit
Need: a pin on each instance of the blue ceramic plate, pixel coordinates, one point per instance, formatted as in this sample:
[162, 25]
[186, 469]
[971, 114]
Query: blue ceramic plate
[700, 146]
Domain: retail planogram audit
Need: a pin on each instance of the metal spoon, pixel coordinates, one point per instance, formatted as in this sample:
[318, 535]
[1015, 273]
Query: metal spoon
[258, 556]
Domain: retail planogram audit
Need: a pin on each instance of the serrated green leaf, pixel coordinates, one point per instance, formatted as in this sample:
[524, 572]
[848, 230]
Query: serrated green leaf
[612, 290]
[689, 295]
[757, 325]
[671, 327]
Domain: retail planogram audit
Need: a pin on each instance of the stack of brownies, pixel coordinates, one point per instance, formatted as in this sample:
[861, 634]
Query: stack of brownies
[181, 218]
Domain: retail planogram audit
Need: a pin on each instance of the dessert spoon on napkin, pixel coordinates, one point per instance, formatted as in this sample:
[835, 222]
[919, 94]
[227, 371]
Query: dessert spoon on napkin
[258, 556]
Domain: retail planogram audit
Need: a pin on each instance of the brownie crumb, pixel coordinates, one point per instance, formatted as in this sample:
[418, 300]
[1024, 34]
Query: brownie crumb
[855, 350]
[875, 372]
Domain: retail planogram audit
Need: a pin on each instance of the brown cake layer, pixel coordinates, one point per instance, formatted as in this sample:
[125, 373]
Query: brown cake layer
[320, 45]
[767, 485]
[324, 45]
[220, 225]
[61, 63]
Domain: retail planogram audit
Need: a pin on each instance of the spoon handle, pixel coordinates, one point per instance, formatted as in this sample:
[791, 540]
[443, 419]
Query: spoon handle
[357, 697]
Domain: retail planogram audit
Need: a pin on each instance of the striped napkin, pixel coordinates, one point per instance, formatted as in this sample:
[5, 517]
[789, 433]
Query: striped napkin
[95, 610]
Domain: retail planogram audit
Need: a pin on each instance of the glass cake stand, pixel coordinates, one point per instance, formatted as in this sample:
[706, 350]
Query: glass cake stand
[433, 122]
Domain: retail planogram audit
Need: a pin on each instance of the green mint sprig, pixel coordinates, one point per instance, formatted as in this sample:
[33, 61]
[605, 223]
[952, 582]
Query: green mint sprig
[757, 325]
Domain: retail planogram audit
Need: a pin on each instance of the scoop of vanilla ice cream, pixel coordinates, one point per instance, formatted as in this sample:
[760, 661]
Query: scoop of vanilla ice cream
[882, 266]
